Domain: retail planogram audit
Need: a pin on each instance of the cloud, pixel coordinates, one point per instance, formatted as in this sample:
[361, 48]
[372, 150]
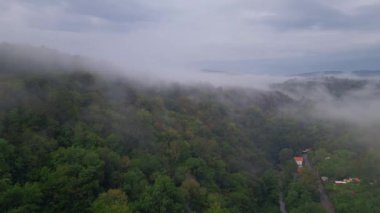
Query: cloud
[359, 108]
[321, 15]
[178, 36]
[345, 98]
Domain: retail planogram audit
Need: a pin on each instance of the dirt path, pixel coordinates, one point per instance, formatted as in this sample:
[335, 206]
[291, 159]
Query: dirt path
[325, 202]
[282, 203]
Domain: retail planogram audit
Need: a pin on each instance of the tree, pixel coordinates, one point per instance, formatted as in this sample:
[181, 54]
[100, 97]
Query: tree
[310, 207]
[162, 197]
[135, 183]
[195, 195]
[7, 158]
[21, 198]
[112, 201]
[215, 205]
[73, 181]
[285, 155]
[268, 189]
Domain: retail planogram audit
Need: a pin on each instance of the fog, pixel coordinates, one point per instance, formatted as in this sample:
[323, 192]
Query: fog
[343, 97]
[24, 57]
[359, 107]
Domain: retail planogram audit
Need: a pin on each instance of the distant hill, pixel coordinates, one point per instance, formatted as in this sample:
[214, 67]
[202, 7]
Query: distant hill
[359, 73]
[366, 73]
[28, 58]
[322, 73]
[20, 58]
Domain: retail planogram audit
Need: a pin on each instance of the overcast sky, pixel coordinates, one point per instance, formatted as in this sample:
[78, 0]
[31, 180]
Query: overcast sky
[259, 36]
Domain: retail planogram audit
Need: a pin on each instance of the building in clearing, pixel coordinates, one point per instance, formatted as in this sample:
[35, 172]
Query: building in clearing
[348, 180]
[299, 161]
[340, 182]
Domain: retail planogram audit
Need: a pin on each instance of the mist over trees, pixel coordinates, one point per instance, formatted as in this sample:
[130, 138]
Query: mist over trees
[72, 140]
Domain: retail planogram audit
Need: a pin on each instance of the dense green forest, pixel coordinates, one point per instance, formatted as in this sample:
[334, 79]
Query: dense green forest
[77, 141]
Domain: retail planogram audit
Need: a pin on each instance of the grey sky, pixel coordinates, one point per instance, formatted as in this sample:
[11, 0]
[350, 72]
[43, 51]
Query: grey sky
[177, 36]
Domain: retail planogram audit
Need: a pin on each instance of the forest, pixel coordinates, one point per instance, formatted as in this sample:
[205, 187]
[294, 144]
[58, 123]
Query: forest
[77, 141]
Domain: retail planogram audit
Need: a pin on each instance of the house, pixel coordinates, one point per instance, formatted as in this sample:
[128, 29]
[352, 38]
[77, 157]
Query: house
[340, 182]
[299, 161]
[348, 180]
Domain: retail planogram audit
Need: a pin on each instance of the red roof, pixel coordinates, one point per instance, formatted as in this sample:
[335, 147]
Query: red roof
[298, 158]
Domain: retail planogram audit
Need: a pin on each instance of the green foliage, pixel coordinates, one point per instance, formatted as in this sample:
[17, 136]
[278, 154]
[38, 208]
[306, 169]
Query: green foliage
[162, 197]
[269, 189]
[338, 165]
[356, 198]
[73, 180]
[112, 201]
[21, 198]
[75, 142]
[312, 207]
[302, 194]
[285, 155]
[216, 204]
[135, 183]
[194, 194]
[7, 155]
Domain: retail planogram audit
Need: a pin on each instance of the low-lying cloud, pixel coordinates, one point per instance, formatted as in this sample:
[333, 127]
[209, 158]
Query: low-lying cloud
[360, 107]
[348, 99]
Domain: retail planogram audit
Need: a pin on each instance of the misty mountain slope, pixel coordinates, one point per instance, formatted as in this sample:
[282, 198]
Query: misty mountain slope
[24, 59]
[356, 73]
[343, 99]
[70, 137]
[334, 86]
[36, 59]
[71, 141]
[190, 106]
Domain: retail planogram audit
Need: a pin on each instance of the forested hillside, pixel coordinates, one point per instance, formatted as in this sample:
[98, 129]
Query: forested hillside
[78, 142]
